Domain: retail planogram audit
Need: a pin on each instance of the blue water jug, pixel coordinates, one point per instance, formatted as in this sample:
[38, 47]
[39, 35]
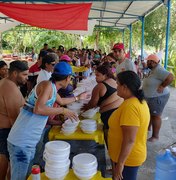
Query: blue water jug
[165, 166]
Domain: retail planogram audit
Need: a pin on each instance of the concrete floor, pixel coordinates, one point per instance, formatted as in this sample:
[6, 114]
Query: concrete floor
[167, 137]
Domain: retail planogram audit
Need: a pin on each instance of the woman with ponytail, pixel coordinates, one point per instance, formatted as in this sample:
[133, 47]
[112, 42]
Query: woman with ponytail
[104, 95]
[128, 126]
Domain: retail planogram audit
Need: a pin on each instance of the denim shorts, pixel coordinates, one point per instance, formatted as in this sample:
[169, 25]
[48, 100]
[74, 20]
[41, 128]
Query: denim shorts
[3, 141]
[157, 104]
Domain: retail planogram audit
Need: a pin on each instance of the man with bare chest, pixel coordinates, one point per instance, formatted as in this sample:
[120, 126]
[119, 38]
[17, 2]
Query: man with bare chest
[11, 100]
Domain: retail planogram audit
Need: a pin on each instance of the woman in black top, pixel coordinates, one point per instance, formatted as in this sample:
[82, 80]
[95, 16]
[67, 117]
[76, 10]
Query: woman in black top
[104, 95]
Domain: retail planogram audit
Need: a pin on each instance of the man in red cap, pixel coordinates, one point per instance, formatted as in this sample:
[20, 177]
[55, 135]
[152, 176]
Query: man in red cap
[123, 63]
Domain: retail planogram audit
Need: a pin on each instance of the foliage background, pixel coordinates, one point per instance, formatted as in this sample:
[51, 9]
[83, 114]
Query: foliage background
[23, 38]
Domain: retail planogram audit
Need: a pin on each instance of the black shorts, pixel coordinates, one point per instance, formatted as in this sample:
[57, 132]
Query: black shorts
[105, 116]
[3, 141]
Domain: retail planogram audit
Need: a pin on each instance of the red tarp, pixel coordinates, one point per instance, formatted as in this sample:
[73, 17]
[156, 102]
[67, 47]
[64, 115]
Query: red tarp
[49, 16]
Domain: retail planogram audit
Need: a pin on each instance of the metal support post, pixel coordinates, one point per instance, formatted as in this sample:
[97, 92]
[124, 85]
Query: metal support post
[123, 36]
[130, 45]
[167, 33]
[142, 38]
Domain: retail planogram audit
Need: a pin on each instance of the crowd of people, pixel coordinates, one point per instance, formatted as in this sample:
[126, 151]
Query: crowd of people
[128, 107]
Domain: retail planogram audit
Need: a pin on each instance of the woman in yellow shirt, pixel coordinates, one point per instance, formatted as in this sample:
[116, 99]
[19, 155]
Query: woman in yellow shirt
[128, 128]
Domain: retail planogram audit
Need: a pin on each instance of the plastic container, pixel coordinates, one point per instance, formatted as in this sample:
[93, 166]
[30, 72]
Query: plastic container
[165, 166]
[89, 113]
[58, 167]
[56, 157]
[69, 128]
[35, 173]
[88, 127]
[55, 161]
[88, 122]
[67, 131]
[88, 132]
[56, 176]
[56, 172]
[83, 171]
[56, 147]
[84, 160]
[69, 122]
[83, 176]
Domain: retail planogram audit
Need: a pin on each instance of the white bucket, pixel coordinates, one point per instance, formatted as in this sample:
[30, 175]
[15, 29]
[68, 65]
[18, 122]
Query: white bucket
[92, 170]
[56, 157]
[83, 176]
[57, 147]
[84, 160]
[72, 122]
[88, 122]
[89, 127]
[49, 160]
[61, 167]
[56, 176]
[67, 127]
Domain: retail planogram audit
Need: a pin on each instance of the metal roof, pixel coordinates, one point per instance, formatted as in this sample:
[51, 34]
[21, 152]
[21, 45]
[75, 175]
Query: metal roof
[115, 13]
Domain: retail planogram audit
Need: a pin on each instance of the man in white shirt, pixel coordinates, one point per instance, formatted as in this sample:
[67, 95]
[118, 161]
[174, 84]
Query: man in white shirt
[123, 64]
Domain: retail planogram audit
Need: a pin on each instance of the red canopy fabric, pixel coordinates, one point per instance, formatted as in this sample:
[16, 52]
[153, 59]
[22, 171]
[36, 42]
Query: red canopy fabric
[50, 16]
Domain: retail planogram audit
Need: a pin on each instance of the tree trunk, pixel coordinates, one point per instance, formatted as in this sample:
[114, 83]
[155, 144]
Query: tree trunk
[161, 43]
[24, 50]
[97, 40]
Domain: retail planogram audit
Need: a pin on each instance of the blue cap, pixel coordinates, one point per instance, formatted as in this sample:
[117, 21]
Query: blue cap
[62, 68]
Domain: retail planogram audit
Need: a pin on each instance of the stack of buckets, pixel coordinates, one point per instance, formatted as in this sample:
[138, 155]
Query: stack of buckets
[85, 166]
[56, 155]
[88, 126]
[166, 164]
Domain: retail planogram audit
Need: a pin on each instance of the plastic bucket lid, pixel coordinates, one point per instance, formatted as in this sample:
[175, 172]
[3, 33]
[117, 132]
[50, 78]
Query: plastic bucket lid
[54, 157]
[57, 167]
[50, 160]
[88, 127]
[85, 170]
[88, 122]
[67, 127]
[71, 122]
[56, 147]
[84, 160]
